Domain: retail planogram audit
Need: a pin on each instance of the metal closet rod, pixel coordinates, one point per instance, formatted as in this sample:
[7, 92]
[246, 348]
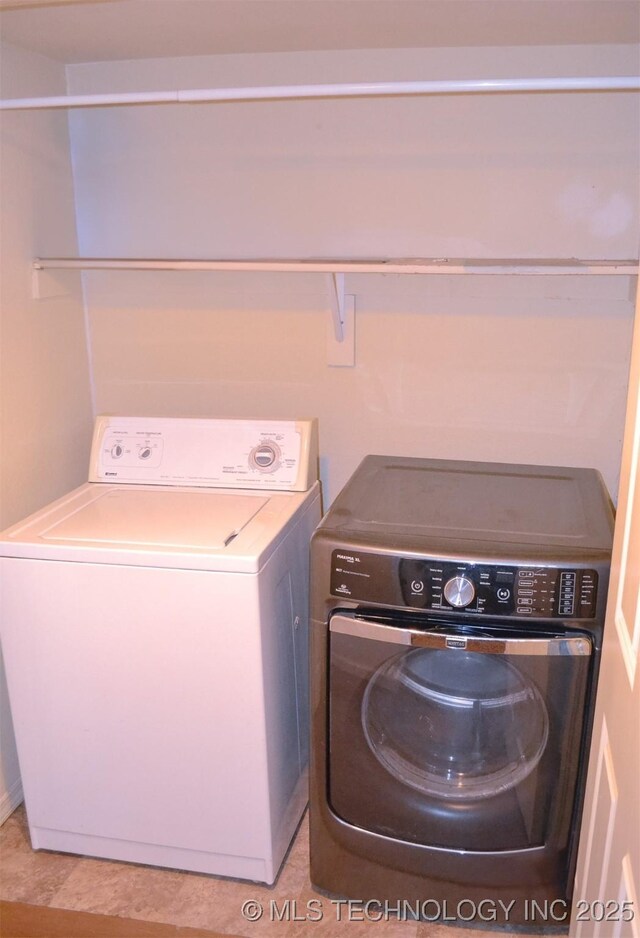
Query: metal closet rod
[345, 90]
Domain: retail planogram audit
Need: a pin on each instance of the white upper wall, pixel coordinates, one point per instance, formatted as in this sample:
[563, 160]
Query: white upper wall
[493, 175]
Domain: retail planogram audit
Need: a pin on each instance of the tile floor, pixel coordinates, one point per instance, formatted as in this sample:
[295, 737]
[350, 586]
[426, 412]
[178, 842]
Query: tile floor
[167, 896]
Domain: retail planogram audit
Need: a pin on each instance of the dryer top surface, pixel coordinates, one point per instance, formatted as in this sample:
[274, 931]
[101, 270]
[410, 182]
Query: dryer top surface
[449, 505]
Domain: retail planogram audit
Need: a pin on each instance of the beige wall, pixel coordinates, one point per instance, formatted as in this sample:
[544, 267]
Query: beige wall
[45, 416]
[443, 368]
[507, 369]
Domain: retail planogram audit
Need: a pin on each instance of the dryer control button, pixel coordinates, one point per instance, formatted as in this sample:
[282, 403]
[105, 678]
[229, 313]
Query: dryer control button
[459, 591]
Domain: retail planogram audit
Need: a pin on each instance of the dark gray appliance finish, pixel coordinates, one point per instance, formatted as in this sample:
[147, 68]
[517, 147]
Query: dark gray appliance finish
[457, 614]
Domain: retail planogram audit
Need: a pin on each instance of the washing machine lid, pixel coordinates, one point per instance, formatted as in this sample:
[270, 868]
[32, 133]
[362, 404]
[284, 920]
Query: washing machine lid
[451, 505]
[187, 528]
[171, 519]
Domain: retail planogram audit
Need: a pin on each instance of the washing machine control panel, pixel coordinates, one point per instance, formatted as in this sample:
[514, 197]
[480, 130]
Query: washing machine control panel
[496, 589]
[217, 453]
[530, 591]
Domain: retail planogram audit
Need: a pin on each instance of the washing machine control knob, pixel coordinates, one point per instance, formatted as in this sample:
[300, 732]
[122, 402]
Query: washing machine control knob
[265, 457]
[459, 591]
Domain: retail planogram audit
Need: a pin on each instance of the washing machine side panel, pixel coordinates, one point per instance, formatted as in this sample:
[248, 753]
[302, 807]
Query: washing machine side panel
[113, 672]
[284, 617]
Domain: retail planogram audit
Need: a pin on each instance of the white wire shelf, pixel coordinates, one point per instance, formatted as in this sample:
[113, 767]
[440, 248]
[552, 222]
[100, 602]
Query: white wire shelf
[439, 265]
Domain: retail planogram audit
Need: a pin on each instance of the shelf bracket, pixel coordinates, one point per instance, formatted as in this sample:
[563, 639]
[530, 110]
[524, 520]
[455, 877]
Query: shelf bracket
[341, 331]
[46, 284]
[336, 298]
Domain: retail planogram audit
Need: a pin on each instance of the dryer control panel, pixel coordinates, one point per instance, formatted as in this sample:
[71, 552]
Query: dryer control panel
[527, 591]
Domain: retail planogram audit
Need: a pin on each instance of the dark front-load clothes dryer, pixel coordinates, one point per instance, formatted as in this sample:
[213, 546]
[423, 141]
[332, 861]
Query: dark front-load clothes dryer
[457, 615]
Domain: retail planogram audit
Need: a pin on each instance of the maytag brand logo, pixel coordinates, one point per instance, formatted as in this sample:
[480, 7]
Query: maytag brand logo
[456, 642]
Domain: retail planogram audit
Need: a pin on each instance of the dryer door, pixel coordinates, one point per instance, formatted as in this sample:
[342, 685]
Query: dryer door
[458, 739]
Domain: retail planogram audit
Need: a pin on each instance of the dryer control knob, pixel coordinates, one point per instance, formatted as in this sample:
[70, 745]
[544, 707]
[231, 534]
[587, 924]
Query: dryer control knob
[459, 591]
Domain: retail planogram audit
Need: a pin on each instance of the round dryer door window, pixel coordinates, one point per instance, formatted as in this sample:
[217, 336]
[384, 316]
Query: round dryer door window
[454, 724]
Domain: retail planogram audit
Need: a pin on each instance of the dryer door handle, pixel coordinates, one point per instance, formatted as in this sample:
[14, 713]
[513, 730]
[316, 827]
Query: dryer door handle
[482, 644]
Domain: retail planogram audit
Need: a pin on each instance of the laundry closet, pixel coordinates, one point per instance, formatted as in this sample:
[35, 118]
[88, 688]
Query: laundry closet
[437, 272]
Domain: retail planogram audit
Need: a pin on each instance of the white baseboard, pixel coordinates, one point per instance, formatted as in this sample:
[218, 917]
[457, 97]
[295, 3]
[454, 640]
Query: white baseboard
[10, 801]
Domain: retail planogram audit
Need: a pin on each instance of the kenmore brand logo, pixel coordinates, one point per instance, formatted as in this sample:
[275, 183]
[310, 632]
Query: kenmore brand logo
[456, 643]
[111, 473]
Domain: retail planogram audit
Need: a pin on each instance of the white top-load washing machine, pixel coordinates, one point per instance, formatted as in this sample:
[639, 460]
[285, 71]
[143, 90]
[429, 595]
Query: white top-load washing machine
[155, 634]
